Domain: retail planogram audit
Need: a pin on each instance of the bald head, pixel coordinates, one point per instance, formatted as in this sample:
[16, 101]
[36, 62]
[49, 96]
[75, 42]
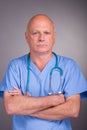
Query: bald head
[39, 18]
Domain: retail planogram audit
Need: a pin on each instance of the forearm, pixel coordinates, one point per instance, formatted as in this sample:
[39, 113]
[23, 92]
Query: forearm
[54, 113]
[68, 109]
[26, 105]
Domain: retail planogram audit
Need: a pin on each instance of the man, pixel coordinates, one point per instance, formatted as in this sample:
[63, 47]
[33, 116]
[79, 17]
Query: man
[26, 85]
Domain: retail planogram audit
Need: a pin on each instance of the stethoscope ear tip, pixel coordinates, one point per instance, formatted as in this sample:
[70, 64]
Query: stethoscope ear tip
[59, 92]
[49, 93]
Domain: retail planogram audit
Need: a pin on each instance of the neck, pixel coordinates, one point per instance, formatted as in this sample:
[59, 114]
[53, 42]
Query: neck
[40, 60]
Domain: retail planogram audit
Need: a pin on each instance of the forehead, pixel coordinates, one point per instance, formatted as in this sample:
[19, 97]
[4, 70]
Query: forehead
[40, 21]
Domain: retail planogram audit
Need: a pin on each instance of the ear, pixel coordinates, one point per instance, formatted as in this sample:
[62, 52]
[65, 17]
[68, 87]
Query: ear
[54, 37]
[26, 37]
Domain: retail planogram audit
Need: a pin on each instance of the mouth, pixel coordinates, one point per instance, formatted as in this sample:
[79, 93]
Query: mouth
[42, 45]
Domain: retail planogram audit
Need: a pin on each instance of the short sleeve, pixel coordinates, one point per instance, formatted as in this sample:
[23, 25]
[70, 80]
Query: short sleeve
[1, 94]
[75, 82]
[11, 77]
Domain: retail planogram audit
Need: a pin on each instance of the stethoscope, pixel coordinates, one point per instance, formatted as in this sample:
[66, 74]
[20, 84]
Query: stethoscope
[55, 68]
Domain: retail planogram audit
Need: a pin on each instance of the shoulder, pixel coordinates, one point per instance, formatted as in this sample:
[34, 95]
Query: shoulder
[68, 65]
[19, 61]
[66, 60]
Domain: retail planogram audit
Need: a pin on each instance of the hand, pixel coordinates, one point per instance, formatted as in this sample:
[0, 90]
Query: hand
[57, 99]
[16, 91]
[28, 94]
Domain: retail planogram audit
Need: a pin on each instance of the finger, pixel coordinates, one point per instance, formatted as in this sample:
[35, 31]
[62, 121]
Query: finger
[28, 94]
[15, 87]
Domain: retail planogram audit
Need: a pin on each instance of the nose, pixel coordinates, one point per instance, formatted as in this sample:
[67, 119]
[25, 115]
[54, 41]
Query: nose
[41, 37]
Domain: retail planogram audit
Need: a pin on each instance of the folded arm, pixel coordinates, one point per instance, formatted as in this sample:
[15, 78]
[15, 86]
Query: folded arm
[69, 109]
[50, 107]
[16, 103]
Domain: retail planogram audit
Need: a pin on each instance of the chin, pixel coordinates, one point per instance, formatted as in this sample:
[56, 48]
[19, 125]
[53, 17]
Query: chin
[44, 51]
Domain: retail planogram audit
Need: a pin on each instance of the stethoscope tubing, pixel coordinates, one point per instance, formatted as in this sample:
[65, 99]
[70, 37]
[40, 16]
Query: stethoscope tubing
[55, 68]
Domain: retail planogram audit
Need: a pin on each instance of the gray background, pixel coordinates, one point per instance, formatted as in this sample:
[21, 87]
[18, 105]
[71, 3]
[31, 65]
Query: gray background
[70, 18]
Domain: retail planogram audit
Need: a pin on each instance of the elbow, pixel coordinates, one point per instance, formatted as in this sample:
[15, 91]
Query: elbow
[9, 109]
[74, 106]
[9, 112]
[75, 113]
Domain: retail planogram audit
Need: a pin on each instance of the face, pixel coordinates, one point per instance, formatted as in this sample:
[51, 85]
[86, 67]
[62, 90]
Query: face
[40, 35]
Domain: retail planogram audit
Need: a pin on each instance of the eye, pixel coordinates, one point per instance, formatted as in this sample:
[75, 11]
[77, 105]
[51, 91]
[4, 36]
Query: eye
[47, 33]
[34, 33]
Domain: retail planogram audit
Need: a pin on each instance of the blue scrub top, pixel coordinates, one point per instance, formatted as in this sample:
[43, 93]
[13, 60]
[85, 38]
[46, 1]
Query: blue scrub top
[73, 83]
[1, 94]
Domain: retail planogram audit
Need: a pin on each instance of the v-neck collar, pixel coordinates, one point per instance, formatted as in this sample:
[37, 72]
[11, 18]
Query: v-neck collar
[46, 69]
